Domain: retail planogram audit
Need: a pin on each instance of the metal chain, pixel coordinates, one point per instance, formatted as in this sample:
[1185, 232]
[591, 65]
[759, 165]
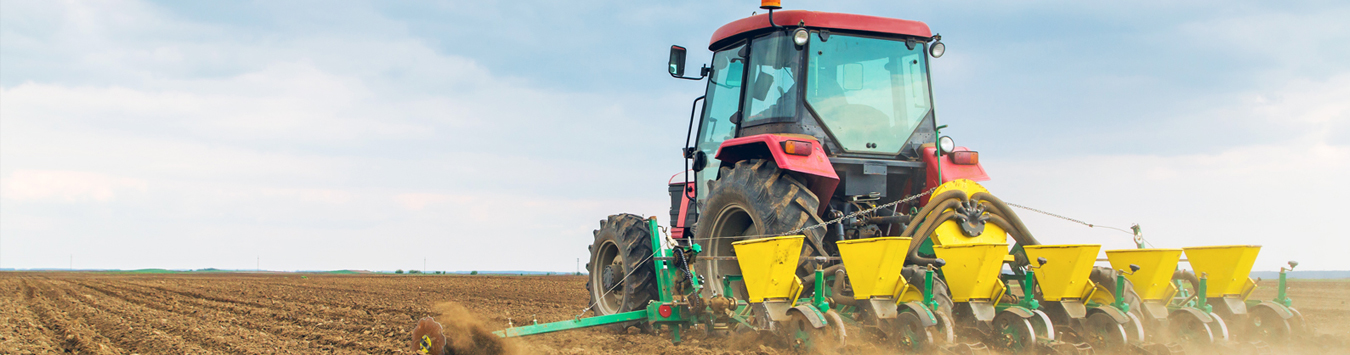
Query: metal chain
[859, 213]
[826, 223]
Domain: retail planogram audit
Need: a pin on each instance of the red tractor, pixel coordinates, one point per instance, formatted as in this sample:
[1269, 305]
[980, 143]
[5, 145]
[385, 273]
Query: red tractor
[808, 117]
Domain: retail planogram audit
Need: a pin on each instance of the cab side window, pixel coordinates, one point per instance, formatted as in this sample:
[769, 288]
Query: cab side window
[723, 101]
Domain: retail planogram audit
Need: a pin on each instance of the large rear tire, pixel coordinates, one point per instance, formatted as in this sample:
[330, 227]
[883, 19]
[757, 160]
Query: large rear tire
[622, 276]
[755, 198]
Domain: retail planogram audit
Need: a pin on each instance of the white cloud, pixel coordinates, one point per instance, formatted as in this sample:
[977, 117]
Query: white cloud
[1283, 196]
[68, 186]
[320, 152]
[420, 201]
[161, 136]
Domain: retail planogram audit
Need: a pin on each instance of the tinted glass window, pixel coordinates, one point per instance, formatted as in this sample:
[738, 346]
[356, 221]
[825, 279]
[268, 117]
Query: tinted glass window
[870, 92]
[771, 93]
[724, 99]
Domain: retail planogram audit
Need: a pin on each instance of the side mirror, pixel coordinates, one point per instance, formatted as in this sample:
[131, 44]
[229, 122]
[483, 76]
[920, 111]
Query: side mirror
[1041, 261]
[677, 55]
[700, 160]
[1293, 264]
[1134, 268]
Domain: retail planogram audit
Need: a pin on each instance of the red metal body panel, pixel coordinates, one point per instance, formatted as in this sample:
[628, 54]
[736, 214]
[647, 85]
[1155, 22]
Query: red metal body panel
[816, 167]
[678, 230]
[950, 171]
[680, 223]
[822, 20]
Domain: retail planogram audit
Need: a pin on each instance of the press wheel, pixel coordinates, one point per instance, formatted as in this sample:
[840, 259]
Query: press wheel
[1265, 324]
[908, 332]
[1189, 329]
[1014, 333]
[945, 332]
[803, 336]
[1103, 332]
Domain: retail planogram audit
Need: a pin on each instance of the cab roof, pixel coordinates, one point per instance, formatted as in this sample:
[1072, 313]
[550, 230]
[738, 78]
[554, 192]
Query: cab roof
[816, 19]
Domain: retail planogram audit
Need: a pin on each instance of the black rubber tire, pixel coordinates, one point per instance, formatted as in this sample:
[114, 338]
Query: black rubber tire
[755, 197]
[626, 237]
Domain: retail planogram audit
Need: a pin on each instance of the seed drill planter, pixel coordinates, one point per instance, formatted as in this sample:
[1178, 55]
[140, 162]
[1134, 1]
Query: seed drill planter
[1090, 311]
[890, 304]
[1216, 309]
[768, 266]
[972, 272]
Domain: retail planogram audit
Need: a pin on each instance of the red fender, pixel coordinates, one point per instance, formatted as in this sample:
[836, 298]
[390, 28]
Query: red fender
[815, 167]
[950, 170]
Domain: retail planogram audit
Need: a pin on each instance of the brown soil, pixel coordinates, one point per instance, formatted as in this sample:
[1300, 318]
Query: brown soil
[97, 313]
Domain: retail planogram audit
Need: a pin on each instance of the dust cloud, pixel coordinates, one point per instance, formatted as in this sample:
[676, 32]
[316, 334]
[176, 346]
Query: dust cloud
[466, 334]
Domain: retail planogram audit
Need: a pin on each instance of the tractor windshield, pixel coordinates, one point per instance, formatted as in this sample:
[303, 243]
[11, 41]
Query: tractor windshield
[871, 93]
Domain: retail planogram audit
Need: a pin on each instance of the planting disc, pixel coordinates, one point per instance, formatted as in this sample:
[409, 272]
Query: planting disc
[1103, 332]
[1186, 328]
[1264, 324]
[1014, 333]
[909, 333]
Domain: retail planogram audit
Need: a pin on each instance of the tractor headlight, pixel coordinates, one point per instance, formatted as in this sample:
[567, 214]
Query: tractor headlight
[937, 48]
[946, 144]
[800, 36]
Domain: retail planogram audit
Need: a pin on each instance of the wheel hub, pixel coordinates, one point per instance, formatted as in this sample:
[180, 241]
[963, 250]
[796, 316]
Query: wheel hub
[611, 277]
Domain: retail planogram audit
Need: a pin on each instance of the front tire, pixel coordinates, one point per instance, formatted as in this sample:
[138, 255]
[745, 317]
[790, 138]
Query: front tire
[622, 274]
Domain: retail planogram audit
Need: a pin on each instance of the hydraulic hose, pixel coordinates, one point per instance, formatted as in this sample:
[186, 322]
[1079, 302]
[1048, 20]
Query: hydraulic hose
[1007, 213]
[837, 290]
[1189, 277]
[926, 218]
[915, 242]
[932, 204]
[902, 219]
[936, 212]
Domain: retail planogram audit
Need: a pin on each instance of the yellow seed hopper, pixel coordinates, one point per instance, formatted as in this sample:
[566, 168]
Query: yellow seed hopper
[1065, 280]
[1153, 281]
[874, 266]
[972, 274]
[769, 267]
[1065, 274]
[1227, 268]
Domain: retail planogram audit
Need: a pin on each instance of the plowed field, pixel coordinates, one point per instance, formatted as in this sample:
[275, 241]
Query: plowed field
[96, 313]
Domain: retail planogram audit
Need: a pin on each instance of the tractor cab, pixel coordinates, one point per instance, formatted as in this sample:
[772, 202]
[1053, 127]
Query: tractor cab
[854, 86]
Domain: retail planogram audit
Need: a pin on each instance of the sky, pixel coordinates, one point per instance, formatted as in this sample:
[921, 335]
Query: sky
[486, 135]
